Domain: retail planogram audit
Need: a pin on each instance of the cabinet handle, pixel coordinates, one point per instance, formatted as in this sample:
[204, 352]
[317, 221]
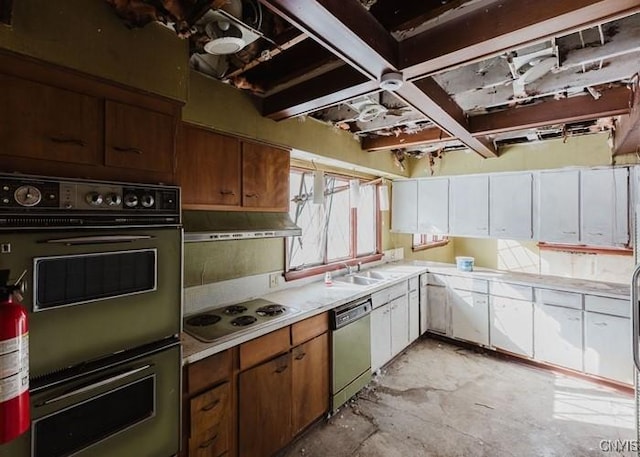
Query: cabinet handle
[301, 356]
[129, 149]
[227, 192]
[569, 233]
[573, 318]
[61, 140]
[210, 406]
[251, 195]
[209, 442]
[600, 324]
[597, 234]
[281, 369]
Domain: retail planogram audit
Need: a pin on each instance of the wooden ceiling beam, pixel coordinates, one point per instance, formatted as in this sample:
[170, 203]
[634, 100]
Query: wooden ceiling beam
[612, 102]
[626, 138]
[396, 16]
[431, 135]
[500, 27]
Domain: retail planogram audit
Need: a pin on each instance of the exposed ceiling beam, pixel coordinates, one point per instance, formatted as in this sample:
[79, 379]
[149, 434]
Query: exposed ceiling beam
[407, 14]
[626, 139]
[342, 83]
[427, 136]
[427, 96]
[612, 102]
[502, 26]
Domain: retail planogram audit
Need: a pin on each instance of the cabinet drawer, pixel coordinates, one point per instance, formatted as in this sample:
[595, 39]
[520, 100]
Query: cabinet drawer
[607, 305]
[379, 298]
[208, 371]
[263, 348]
[309, 328]
[471, 284]
[436, 280]
[209, 444]
[209, 410]
[559, 298]
[397, 291]
[504, 289]
[413, 283]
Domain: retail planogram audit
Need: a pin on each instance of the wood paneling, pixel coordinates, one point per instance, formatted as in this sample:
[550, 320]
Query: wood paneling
[264, 347]
[265, 177]
[210, 424]
[208, 168]
[305, 330]
[209, 371]
[43, 122]
[265, 408]
[138, 138]
[310, 373]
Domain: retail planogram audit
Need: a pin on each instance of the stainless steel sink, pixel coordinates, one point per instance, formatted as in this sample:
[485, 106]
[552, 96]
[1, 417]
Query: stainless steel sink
[359, 280]
[373, 275]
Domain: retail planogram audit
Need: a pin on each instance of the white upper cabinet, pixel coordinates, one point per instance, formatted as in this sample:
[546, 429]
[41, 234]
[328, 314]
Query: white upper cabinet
[558, 206]
[604, 207]
[433, 206]
[404, 205]
[469, 205]
[510, 206]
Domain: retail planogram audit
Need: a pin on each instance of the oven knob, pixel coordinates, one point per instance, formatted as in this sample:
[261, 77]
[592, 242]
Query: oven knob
[131, 200]
[113, 199]
[147, 200]
[94, 198]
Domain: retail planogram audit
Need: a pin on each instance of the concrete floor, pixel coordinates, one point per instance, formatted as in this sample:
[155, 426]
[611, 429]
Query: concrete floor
[440, 400]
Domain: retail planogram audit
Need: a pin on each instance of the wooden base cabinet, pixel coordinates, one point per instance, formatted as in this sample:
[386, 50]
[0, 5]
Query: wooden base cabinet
[210, 422]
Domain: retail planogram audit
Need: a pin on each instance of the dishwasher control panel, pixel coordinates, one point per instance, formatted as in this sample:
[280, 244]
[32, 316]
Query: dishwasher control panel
[345, 314]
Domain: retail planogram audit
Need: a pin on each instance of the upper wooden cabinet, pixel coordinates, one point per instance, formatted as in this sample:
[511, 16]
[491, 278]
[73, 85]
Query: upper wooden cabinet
[44, 122]
[208, 168]
[265, 177]
[138, 138]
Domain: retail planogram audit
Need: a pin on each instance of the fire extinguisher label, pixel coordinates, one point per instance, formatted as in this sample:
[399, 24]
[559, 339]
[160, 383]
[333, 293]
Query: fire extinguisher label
[14, 367]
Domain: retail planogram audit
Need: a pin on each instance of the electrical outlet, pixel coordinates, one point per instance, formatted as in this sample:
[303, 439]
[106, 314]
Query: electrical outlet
[273, 280]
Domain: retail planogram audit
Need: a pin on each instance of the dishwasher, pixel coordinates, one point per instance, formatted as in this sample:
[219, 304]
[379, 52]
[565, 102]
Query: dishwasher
[351, 350]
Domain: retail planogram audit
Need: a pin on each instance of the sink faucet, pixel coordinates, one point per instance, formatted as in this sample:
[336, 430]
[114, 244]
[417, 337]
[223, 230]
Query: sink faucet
[359, 266]
[349, 268]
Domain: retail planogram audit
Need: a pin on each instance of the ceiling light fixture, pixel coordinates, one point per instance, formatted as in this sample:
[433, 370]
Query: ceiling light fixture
[391, 81]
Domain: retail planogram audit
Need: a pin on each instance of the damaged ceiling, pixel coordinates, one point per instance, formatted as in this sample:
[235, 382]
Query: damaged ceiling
[472, 74]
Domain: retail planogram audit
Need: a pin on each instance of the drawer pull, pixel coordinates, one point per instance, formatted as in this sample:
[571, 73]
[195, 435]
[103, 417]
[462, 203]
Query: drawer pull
[227, 192]
[301, 356]
[129, 149]
[600, 324]
[210, 406]
[61, 140]
[281, 369]
[251, 195]
[209, 442]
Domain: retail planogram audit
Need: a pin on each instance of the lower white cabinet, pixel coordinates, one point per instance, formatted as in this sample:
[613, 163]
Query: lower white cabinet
[380, 337]
[414, 315]
[511, 325]
[469, 316]
[424, 306]
[558, 336]
[438, 314]
[607, 347]
[399, 324]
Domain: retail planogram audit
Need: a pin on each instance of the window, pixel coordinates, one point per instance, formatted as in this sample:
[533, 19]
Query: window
[426, 241]
[332, 232]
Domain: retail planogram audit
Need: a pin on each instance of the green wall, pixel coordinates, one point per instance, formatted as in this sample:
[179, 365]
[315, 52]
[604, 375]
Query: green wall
[88, 36]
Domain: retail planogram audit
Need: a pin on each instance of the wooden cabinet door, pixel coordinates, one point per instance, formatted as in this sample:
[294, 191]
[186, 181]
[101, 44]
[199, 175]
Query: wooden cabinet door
[380, 337]
[137, 138]
[558, 210]
[399, 324]
[469, 213]
[510, 206]
[433, 206]
[310, 372]
[43, 122]
[404, 206]
[210, 422]
[208, 168]
[607, 347]
[265, 407]
[511, 325]
[469, 316]
[557, 336]
[265, 177]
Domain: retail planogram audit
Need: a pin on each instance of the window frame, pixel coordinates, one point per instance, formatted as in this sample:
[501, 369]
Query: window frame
[425, 244]
[353, 258]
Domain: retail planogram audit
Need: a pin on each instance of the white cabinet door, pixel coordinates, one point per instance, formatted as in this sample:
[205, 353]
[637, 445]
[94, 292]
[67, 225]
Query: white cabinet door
[511, 325]
[607, 347]
[558, 206]
[399, 324]
[414, 315]
[380, 337]
[558, 336]
[423, 309]
[511, 206]
[469, 198]
[469, 316]
[437, 309]
[433, 206]
[404, 206]
[604, 207]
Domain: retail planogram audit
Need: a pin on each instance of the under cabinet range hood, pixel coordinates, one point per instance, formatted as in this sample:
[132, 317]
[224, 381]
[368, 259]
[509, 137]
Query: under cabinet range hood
[223, 225]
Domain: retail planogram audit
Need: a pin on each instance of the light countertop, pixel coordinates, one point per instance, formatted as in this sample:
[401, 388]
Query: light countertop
[316, 298]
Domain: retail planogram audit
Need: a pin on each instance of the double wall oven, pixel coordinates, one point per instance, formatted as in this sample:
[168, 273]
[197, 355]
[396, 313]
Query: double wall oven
[103, 266]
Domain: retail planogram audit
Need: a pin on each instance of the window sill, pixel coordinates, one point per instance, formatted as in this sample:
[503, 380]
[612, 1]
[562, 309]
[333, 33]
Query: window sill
[424, 247]
[312, 271]
[585, 249]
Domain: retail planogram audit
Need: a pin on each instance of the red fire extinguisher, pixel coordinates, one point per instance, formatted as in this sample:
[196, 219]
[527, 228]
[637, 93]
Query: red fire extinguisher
[14, 362]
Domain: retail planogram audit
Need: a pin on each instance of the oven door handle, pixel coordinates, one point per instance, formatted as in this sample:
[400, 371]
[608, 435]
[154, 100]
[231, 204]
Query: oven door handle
[103, 239]
[96, 385]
